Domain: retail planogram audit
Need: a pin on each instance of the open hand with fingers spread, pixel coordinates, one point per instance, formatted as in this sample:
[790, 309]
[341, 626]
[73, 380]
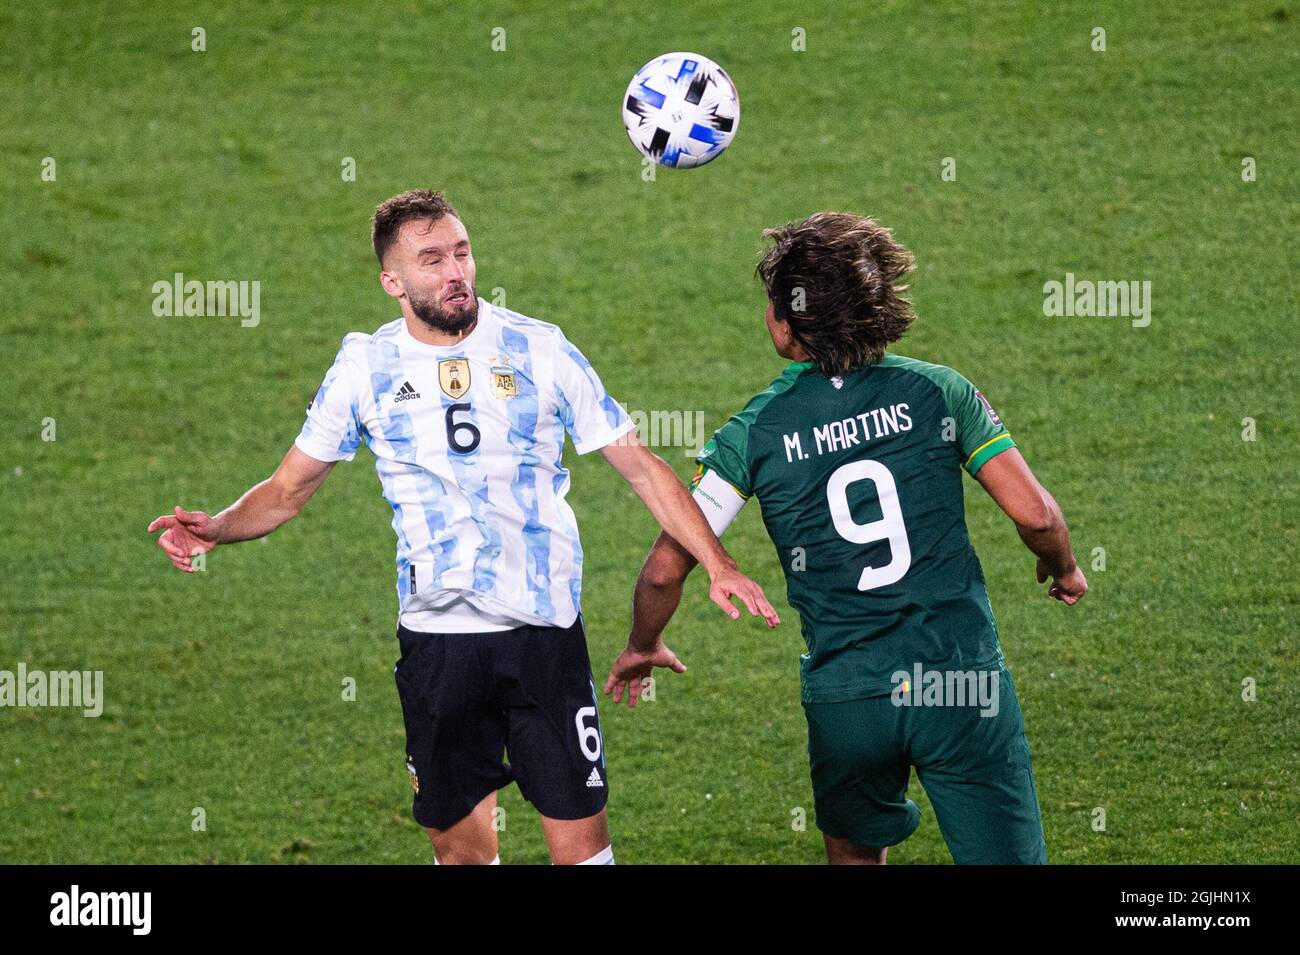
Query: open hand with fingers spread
[632, 667]
[186, 534]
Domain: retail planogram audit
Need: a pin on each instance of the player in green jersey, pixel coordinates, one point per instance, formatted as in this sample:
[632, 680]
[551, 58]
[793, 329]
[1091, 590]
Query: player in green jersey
[855, 457]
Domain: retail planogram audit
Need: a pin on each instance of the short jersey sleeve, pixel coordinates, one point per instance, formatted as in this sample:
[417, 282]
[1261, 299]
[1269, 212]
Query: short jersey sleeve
[331, 431]
[592, 418]
[980, 433]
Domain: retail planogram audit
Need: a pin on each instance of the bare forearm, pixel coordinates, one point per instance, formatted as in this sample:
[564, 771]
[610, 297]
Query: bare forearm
[1049, 539]
[671, 505]
[658, 592]
[652, 608]
[1036, 514]
[262, 509]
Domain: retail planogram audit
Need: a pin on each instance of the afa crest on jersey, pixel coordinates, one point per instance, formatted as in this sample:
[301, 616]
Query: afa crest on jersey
[453, 376]
[503, 382]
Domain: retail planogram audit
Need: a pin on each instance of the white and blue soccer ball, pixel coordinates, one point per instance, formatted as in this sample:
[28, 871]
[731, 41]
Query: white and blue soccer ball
[681, 110]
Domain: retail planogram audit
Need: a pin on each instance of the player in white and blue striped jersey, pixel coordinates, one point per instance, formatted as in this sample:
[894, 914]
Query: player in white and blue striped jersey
[465, 406]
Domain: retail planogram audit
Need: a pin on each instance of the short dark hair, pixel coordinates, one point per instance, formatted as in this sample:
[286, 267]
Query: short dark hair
[833, 278]
[392, 213]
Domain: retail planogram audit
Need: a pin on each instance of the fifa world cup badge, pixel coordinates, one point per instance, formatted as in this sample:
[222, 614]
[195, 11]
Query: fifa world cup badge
[453, 376]
[503, 382]
[410, 768]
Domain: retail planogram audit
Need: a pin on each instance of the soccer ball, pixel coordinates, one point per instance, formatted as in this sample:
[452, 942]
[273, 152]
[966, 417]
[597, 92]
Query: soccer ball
[681, 110]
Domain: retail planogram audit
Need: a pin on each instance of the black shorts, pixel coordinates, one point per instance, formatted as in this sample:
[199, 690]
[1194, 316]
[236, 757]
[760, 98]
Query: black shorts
[473, 700]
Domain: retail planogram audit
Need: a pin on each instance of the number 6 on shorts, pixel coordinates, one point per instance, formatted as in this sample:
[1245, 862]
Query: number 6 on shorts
[588, 736]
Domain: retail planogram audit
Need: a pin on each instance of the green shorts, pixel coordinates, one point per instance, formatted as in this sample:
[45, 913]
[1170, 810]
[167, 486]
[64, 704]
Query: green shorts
[975, 769]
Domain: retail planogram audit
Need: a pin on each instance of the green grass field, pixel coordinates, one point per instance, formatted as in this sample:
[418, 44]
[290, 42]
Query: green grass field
[223, 690]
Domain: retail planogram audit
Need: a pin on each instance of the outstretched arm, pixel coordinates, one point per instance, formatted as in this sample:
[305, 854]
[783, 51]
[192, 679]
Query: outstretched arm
[672, 506]
[654, 601]
[659, 591]
[262, 509]
[1038, 520]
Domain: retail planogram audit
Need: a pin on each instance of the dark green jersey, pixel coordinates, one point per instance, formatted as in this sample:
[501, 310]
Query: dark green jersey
[859, 480]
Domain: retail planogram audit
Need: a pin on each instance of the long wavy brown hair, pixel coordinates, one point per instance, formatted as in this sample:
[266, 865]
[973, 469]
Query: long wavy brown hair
[834, 277]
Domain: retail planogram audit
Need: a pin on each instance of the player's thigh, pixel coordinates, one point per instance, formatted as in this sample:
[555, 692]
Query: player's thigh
[859, 772]
[555, 743]
[976, 770]
[455, 736]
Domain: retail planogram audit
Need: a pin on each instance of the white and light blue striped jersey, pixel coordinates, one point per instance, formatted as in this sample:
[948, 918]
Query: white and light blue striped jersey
[467, 441]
